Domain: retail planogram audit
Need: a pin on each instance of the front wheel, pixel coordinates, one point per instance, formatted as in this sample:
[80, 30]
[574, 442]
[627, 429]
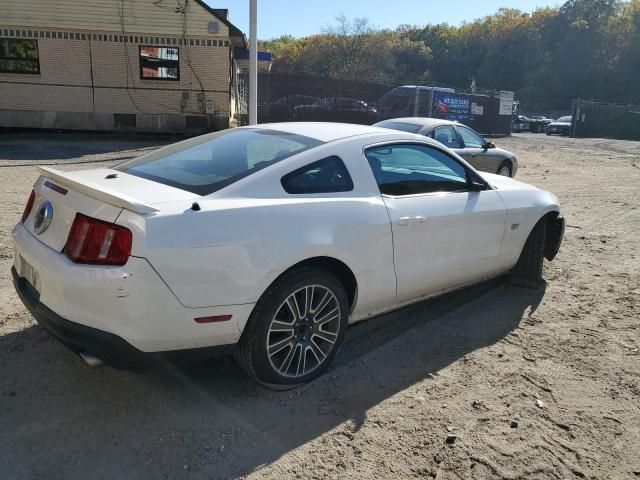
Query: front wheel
[504, 169]
[528, 270]
[295, 330]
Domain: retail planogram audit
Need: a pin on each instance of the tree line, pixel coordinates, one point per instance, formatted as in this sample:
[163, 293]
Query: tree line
[585, 48]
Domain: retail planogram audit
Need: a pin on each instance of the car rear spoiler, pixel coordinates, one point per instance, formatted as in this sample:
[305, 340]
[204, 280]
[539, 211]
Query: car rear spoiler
[106, 195]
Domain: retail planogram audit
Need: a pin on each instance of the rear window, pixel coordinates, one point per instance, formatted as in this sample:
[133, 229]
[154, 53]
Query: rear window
[564, 120]
[405, 127]
[206, 164]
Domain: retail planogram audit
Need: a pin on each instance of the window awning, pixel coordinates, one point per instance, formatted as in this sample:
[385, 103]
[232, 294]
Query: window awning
[243, 54]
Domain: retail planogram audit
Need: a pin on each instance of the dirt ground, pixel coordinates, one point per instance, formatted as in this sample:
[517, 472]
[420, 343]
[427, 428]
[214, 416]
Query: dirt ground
[562, 361]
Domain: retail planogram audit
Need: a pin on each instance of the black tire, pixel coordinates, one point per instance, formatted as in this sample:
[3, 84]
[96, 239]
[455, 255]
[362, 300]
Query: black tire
[528, 271]
[251, 352]
[507, 164]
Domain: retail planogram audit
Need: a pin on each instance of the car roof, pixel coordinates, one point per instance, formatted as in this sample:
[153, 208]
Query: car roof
[422, 121]
[322, 131]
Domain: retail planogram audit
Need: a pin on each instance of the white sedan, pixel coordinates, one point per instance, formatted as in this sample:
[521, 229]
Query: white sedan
[266, 242]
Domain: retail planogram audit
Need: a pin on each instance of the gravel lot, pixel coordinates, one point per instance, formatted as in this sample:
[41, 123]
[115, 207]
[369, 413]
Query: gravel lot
[562, 361]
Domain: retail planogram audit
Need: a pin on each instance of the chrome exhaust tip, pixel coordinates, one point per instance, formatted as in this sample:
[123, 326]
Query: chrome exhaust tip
[91, 360]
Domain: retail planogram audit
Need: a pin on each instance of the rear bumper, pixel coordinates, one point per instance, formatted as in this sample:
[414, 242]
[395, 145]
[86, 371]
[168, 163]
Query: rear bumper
[129, 301]
[112, 349]
[558, 130]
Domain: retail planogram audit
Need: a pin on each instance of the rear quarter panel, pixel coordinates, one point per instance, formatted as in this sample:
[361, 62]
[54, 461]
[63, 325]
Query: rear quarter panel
[246, 235]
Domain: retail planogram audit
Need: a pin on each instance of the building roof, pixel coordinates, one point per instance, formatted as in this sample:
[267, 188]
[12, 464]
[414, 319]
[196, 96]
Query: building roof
[222, 14]
[132, 16]
[240, 53]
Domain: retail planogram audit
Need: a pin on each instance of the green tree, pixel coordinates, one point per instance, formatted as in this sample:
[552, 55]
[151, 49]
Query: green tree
[585, 48]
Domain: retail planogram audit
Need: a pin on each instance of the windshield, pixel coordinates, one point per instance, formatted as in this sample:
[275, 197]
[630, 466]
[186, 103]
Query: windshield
[564, 120]
[405, 127]
[208, 163]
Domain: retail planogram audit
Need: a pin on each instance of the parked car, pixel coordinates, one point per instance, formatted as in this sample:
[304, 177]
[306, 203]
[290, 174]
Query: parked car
[560, 126]
[266, 242]
[520, 124]
[466, 142]
[337, 109]
[537, 123]
[523, 122]
[541, 118]
[282, 109]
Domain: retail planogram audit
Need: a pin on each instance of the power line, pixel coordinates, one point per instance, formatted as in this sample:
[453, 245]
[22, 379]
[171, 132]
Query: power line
[129, 70]
[184, 12]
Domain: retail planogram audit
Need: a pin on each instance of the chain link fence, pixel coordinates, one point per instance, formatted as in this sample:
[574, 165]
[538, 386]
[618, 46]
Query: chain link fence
[611, 120]
[293, 96]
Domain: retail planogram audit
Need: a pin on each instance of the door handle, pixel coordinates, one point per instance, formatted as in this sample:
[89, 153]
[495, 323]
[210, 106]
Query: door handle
[412, 220]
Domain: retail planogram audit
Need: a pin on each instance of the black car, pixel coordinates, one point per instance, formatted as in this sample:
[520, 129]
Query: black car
[283, 108]
[561, 126]
[337, 109]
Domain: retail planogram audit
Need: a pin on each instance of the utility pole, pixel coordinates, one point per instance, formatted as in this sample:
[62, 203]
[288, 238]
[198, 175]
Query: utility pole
[253, 62]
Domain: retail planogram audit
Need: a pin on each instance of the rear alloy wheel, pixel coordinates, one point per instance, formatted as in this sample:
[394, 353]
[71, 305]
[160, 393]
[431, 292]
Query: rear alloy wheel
[295, 330]
[504, 169]
[303, 331]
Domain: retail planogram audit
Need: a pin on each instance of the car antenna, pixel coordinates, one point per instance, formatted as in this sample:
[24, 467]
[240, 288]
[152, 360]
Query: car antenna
[195, 206]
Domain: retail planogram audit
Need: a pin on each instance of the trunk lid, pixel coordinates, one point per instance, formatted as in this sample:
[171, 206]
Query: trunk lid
[99, 193]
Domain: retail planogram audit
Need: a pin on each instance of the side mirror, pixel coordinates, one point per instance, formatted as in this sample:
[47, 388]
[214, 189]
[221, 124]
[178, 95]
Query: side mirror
[476, 185]
[489, 145]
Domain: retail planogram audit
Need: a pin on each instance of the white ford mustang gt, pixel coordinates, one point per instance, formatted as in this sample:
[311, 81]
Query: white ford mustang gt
[266, 242]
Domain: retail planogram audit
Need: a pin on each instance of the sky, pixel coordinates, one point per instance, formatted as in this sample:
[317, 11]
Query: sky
[305, 17]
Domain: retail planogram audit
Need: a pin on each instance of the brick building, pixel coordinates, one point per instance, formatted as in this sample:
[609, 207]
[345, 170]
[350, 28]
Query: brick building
[147, 65]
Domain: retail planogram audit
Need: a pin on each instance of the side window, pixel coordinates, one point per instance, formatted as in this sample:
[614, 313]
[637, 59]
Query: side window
[447, 136]
[19, 56]
[159, 63]
[409, 169]
[470, 138]
[324, 176]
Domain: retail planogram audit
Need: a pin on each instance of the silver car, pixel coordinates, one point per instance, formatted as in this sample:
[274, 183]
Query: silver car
[466, 142]
[562, 126]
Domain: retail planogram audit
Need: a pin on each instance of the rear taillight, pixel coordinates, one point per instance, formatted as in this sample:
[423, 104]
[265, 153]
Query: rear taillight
[28, 206]
[97, 242]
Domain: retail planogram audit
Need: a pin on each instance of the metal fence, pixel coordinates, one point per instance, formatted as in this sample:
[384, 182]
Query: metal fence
[286, 97]
[294, 96]
[597, 119]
